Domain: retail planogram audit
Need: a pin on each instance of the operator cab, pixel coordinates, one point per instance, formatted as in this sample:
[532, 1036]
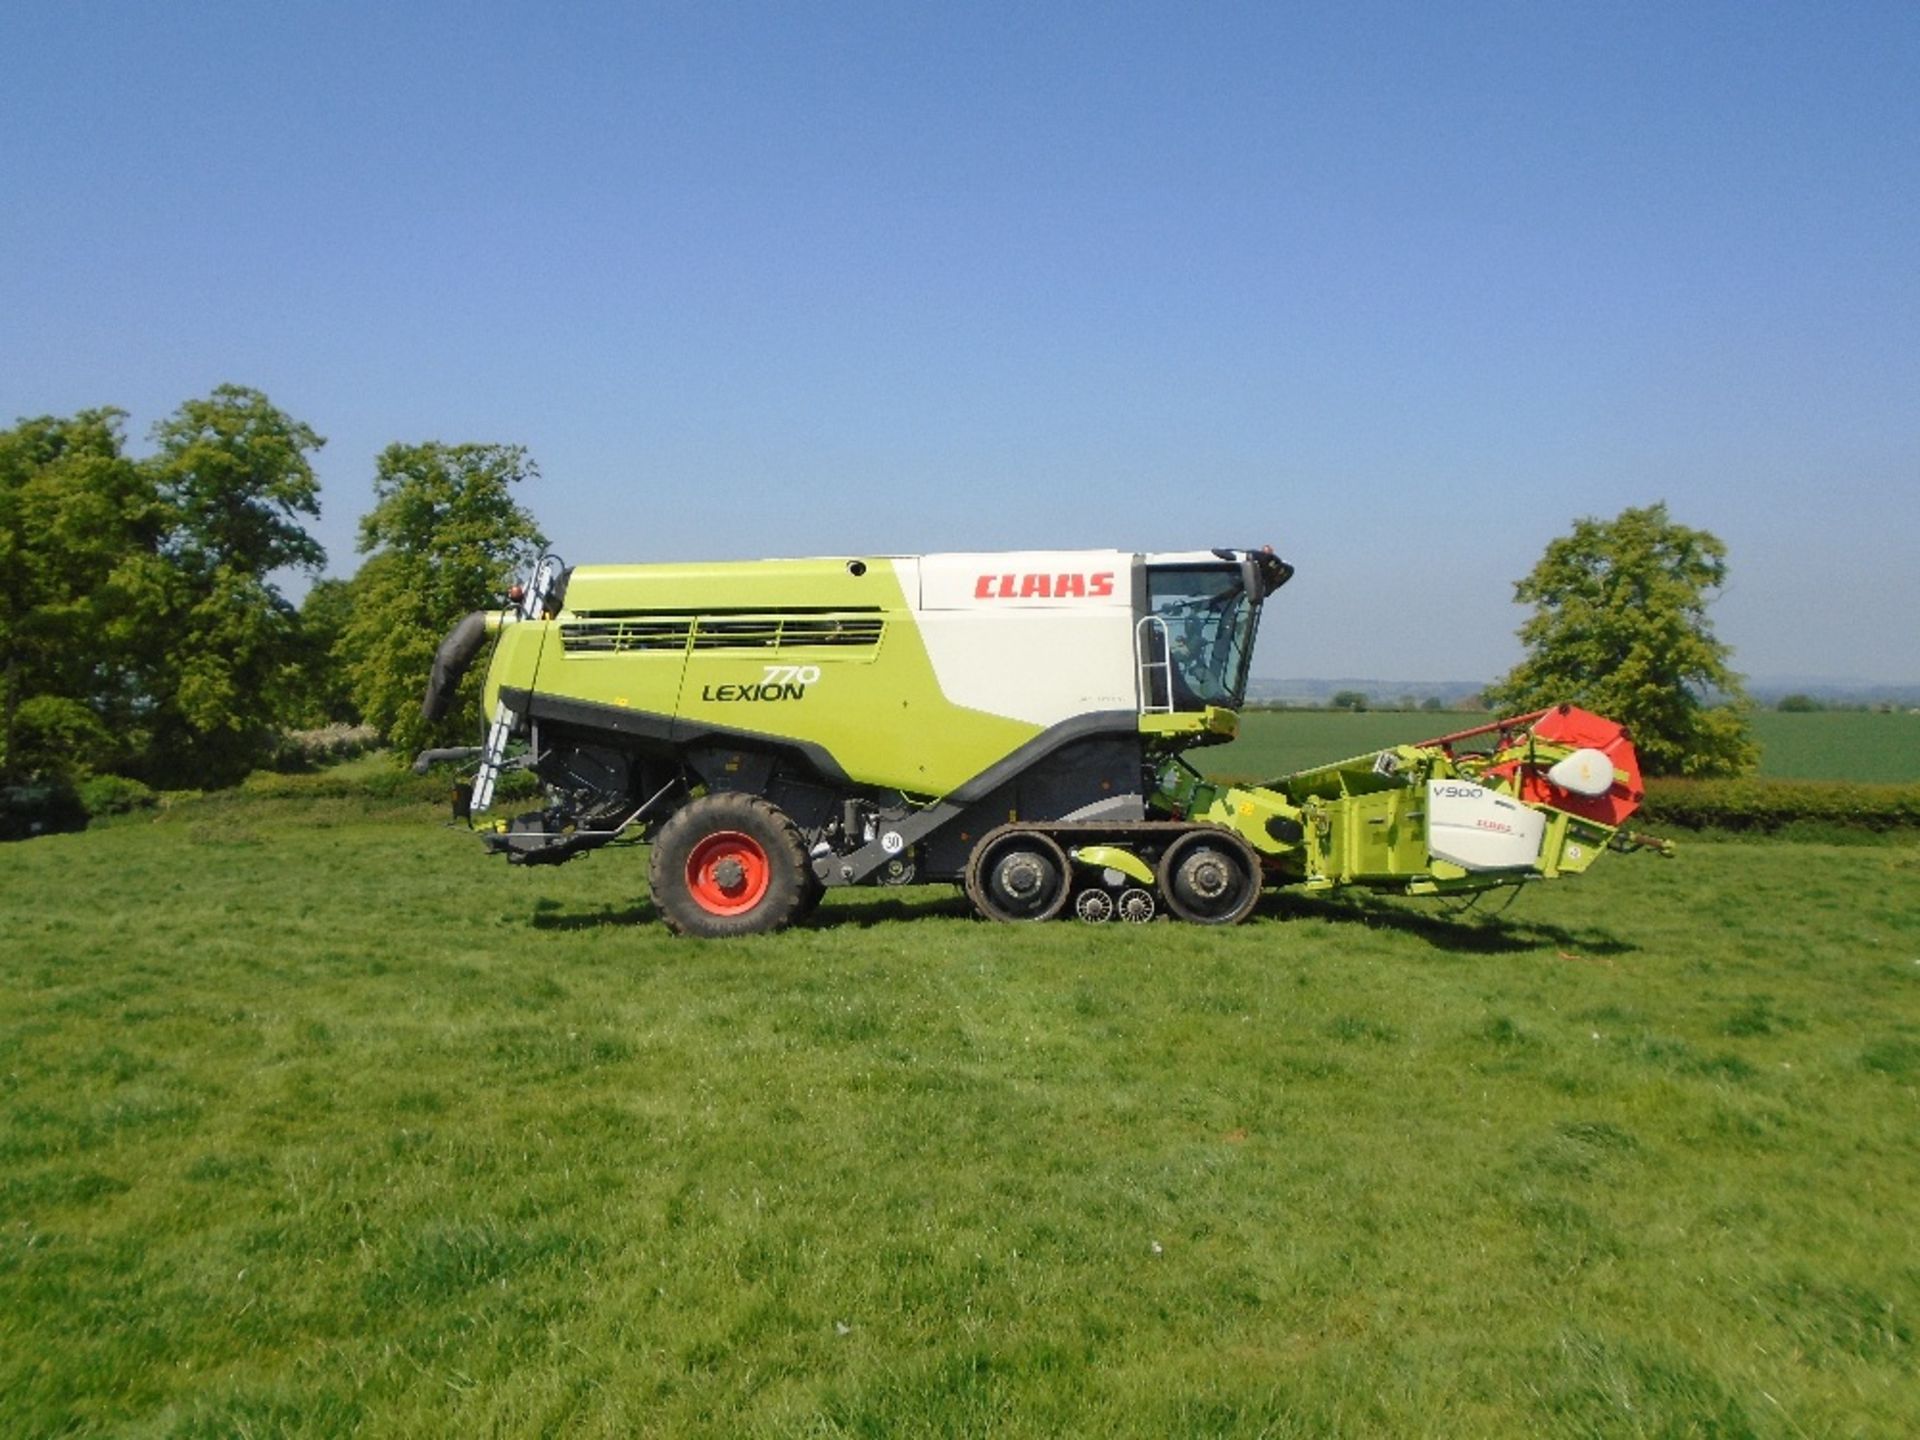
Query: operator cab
[1195, 640]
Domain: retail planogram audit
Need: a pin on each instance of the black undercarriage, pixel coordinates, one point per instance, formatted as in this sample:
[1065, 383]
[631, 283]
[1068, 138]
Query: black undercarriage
[1061, 822]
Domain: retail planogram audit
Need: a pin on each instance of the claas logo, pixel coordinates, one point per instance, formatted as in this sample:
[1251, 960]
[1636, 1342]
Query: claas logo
[1044, 587]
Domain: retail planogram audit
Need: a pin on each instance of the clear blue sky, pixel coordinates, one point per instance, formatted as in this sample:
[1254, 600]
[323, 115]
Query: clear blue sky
[1401, 289]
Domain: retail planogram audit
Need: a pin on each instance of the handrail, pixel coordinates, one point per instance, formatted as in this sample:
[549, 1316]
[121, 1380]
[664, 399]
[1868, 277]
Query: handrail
[1145, 664]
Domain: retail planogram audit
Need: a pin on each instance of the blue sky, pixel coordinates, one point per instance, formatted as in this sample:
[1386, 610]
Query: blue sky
[1401, 289]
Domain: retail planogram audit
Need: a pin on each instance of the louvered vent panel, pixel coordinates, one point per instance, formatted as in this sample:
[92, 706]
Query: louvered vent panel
[861, 631]
[621, 634]
[617, 636]
[760, 633]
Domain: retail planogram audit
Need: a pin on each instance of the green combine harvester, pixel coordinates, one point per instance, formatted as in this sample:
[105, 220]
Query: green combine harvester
[1017, 724]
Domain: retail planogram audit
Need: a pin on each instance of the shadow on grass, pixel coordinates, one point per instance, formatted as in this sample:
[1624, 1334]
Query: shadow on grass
[1468, 932]
[862, 910]
[549, 915]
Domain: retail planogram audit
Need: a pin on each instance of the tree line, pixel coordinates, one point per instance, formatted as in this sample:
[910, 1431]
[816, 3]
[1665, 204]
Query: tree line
[144, 630]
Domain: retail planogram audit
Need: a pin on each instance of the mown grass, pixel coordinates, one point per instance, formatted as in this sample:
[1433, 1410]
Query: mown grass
[316, 1122]
[1831, 745]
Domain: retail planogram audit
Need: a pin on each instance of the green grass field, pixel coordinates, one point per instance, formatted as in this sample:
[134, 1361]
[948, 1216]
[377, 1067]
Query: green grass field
[317, 1123]
[1832, 745]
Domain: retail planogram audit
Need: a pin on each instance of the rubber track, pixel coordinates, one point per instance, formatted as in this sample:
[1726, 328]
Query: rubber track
[1072, 833]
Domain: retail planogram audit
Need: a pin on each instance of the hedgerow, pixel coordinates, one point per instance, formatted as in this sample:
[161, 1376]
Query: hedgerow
[304, 750]
[1769, 806]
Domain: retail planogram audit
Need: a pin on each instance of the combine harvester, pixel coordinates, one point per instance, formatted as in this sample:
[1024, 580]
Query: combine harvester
[1014, 723]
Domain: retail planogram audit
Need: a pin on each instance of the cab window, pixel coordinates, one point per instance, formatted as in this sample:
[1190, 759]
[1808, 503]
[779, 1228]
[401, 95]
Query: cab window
[1208, 633]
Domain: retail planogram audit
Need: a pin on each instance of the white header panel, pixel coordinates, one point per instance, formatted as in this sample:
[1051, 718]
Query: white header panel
[1028, 579]
[1476, 829]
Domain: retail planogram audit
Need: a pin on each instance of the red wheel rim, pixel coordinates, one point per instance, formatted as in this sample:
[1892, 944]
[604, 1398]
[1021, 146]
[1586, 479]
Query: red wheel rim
[728, 873]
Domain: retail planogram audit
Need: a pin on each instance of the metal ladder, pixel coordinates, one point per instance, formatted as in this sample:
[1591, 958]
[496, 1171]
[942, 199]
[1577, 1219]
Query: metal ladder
[533, 601]
[1149, 629]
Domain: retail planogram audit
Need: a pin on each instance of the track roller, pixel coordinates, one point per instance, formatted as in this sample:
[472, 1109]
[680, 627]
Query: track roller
[1018, 874]
[1210, 877]
[1093, 906]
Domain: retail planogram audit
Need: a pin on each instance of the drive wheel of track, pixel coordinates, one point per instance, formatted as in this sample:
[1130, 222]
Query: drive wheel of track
[728, 865]
[1210, 877]
[1017, 874]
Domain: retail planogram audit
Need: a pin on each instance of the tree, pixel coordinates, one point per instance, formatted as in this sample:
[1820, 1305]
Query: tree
[141, 627]
[81, 526]
[323, 691]
[234, 479]
[445, 537]
[1347, 700]
[1620, 626]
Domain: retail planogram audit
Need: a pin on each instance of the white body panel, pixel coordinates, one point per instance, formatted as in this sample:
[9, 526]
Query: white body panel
[1028, 580]
[1474, 828]
[1039, 636]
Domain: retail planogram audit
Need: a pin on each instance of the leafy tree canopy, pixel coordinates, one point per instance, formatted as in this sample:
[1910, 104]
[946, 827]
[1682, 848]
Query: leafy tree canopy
[141, 628]
[445, 537]
[1620, 626]
[80, 528]
[234, 469]
[323, 691]
[234, 477]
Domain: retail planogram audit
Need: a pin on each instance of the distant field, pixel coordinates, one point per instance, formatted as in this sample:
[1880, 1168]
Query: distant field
[1873, 749]
[315, 1122]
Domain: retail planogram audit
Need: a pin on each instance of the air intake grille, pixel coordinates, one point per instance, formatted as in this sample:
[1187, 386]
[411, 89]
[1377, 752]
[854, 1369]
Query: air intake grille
[618, 634]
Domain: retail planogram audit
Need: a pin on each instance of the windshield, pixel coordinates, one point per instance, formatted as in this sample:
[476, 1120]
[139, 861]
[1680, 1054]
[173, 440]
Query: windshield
[1208, 621]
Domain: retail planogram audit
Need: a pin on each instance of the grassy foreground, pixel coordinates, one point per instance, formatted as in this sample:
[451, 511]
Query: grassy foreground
[316, 1123]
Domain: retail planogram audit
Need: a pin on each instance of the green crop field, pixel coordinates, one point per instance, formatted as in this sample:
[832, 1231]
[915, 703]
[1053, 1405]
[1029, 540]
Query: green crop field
[316, 1123]
[1839, 745]
[1831, 745]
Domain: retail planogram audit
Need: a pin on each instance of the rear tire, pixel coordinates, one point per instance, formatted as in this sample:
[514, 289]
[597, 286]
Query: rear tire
[728, 865]
[812, 892]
